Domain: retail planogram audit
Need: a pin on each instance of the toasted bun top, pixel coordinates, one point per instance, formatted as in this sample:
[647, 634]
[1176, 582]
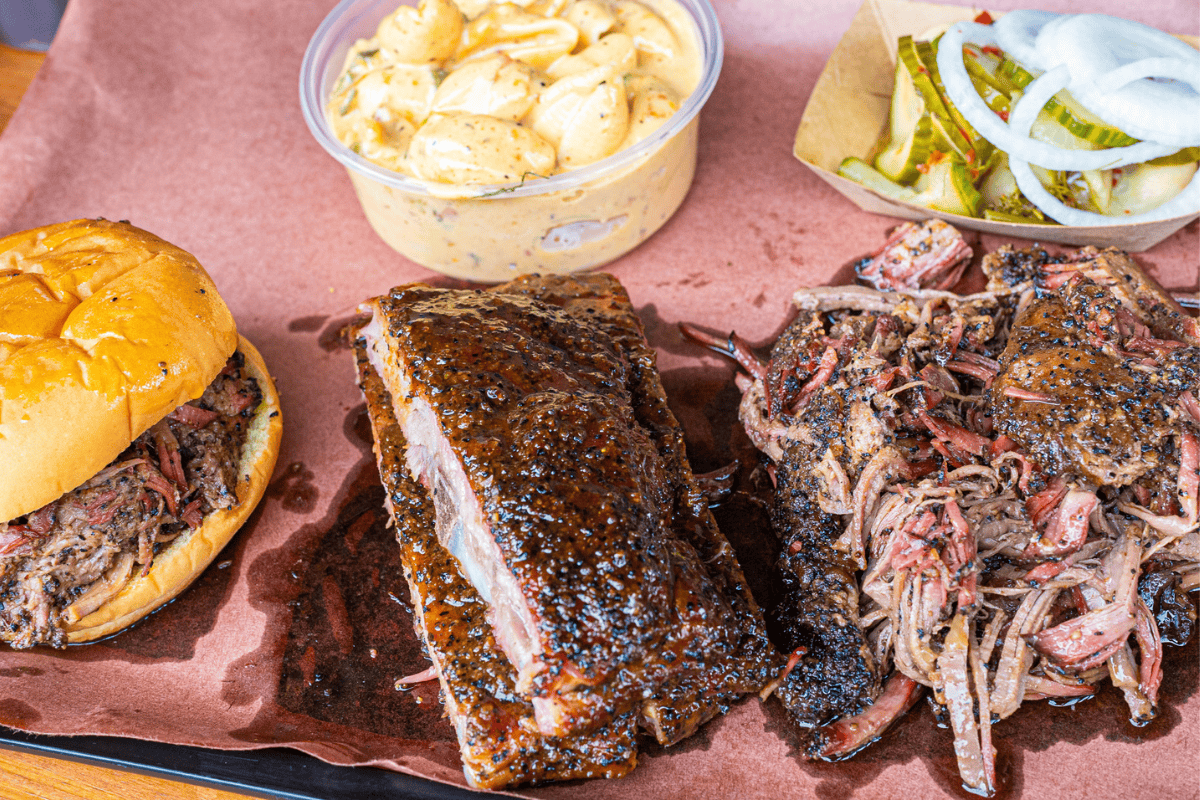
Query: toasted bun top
[104, 330]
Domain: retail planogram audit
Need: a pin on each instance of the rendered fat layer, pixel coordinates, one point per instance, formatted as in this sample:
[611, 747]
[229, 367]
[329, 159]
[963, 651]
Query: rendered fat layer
[461, 528]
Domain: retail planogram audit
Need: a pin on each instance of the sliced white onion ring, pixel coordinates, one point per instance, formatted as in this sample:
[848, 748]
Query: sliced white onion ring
[1179, 69]
[1037, 93]
[1164, 112]
[1017, 32]
[1018, 145]
[1105, 53]
[1095, 44]
[1021, 120]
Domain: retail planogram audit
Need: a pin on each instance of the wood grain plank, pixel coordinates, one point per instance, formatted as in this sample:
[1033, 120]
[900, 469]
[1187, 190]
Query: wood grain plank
[26, 776]
[17, 70]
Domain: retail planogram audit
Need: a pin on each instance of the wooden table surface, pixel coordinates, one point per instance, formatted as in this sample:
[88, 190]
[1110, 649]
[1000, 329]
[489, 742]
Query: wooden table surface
[24, 776]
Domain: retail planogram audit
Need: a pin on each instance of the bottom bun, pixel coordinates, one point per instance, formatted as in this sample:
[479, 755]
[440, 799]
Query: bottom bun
[175, 567]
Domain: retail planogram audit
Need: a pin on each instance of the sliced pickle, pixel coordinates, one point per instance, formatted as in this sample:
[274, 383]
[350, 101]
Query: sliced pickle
[998, 102]
[982, 66]
[1013, 75]
[1020, 219]
[1145, 187]
[1002, 198]
[1047, 128]
[998, 185]
[861, 172]
[980, 171]
[1090, 190]
[946, 134]
[1187, 155]
[1065, 108]
[1084, 124]
[947, 186]
[910, 129]
[978, 148]
[1099, 183]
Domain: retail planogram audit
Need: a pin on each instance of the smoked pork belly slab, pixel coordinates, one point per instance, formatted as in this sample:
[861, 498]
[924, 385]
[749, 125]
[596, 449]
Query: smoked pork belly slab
[535, 418]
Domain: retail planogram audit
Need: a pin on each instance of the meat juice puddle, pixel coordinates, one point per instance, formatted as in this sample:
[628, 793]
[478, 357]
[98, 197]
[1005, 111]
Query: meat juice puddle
[341, 631]
[706, 403]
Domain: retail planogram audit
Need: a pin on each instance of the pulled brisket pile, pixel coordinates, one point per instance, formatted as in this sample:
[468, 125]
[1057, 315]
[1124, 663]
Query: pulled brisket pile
[994, 496]
[65, 560]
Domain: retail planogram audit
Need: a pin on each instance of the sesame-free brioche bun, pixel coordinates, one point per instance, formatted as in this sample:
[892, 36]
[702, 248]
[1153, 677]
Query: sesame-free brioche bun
[182, 561]
[104, 330]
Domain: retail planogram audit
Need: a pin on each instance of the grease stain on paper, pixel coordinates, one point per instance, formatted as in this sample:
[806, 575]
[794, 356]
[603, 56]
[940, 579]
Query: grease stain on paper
[17, 714]
[309, 324]
[295, 489]
[21, 672]
[339, 632]
[171, 633]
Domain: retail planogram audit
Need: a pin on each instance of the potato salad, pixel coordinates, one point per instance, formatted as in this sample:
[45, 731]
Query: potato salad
[472, 93]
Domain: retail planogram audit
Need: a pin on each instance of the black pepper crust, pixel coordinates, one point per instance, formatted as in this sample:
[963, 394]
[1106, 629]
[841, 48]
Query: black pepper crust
[497, 734]
[549, 394]
[1109, 422]
[738, 659]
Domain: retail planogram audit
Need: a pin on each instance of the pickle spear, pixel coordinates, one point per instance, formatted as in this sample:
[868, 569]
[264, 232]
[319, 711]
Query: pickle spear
[977, 149]
[944, 186]
[947, 186]
[863, 173]
[911, 131]
[947, 136]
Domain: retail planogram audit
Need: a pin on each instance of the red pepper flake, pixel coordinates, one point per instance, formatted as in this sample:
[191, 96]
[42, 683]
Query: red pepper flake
[984, 18]
[792, 661]
[991, 48]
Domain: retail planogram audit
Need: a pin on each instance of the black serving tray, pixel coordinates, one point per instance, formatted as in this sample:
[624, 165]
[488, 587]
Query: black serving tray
[271, 773]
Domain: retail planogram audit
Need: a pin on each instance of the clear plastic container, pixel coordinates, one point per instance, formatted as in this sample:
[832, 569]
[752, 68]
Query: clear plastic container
[567, 222]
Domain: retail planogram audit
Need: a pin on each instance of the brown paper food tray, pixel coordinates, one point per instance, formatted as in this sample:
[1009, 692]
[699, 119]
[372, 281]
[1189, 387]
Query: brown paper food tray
[848, 110]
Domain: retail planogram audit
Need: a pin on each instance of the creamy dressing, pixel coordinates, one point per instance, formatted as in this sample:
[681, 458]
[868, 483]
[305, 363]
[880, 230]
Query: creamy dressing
[501, 92]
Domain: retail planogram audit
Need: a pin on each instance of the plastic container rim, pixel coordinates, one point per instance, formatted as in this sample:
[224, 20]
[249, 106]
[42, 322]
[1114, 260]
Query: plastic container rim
[329, 37]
